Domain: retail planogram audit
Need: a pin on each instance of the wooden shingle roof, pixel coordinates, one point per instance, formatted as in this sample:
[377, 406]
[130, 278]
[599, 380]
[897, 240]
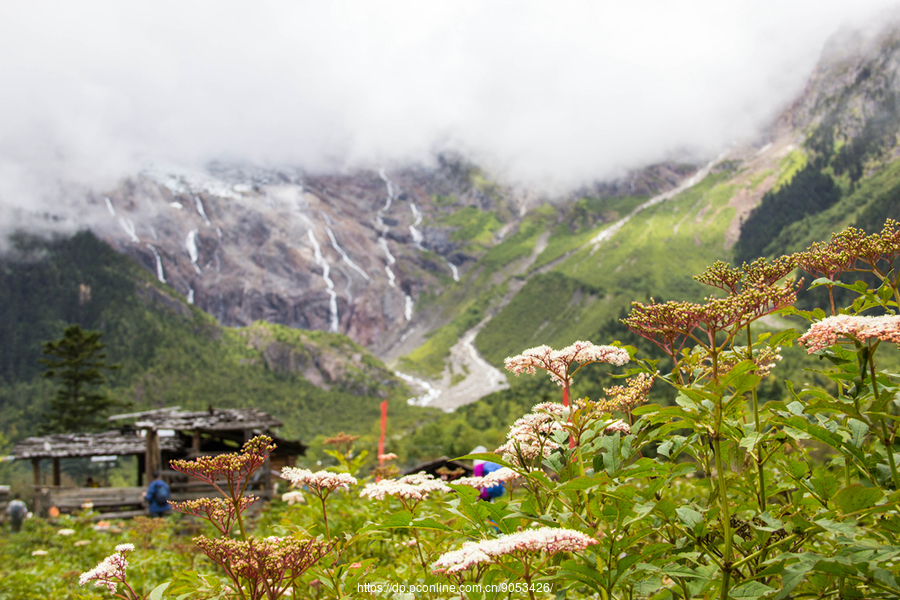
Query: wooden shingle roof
[120, 442]
[213, 419]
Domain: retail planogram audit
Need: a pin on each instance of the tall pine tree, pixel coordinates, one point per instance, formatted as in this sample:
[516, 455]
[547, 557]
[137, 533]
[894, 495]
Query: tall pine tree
[76, 361]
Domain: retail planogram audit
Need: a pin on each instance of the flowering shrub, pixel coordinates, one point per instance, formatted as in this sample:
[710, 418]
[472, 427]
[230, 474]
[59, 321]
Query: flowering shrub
[618, 497]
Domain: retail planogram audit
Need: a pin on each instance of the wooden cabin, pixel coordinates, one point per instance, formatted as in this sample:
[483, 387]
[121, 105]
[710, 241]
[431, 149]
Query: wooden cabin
[155, 438]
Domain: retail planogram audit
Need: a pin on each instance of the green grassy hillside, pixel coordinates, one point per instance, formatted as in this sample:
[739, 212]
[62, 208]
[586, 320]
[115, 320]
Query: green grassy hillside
[656, 253]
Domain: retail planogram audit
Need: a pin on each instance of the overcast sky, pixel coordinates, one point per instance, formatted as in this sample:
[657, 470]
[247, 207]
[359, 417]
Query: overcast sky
[540, 92]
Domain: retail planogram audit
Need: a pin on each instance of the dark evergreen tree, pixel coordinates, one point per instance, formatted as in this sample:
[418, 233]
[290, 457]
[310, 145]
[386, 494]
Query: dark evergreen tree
[76, 361]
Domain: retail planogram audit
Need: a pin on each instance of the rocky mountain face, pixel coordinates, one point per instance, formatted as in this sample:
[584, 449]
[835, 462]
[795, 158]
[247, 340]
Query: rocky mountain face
[850, 109]
[347, 254]
[350, 253]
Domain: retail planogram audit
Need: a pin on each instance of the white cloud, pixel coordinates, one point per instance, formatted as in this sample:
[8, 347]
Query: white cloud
[542, 92]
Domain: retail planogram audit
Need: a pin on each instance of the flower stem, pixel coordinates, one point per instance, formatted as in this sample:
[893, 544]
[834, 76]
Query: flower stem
[726, 518]
[236, 502]
[755, 407]
[325, 517]
[888, 445]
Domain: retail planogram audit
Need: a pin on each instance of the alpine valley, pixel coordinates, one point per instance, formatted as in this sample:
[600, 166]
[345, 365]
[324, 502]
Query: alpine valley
[316, 296]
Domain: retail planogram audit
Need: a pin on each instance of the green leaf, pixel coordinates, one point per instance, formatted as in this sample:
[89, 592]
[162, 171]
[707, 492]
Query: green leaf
[428, 523]
[858, 431]
[666, 508]
[825, 484]
[640, 510]
[834, 567]
[611, 459]
[645, 409]
[737, 370]
[791, 578]
[749, 590]
[783, 336]
[886, 577]
[749, 443]
[856, 497]
[814, 431]
[838, 528]
[397, 519]
[157, 592]
[689, 516]
[820, 282]
[645, 467]
[647, 586]
[626, 563]
[579, 483]
[582, 572]
[681, 571]
[797, 468]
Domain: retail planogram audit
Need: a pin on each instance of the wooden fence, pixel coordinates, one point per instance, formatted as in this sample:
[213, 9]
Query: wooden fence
[123, 502]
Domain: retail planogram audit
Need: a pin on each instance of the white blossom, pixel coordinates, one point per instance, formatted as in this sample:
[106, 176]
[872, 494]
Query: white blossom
[546, 539]
[109, 572]
[410, 487]
[320, 480]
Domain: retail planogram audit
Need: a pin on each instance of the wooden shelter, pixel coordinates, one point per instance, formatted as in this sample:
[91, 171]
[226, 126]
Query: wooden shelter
[155, 437]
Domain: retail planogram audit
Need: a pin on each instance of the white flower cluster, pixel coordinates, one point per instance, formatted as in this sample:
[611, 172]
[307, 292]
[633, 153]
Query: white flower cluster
[827, 331]
[529, 436]
[320, 480]
[111, 571]
[617, 426]
[491, 479]
[293, 498]
[409, 487]
[546, 539]
[557, 362]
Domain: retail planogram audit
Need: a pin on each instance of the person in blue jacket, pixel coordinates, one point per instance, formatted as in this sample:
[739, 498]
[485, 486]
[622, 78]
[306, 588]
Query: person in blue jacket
[157, 496]
[482, 468]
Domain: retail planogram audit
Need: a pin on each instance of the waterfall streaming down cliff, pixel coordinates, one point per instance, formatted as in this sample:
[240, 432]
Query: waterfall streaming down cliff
[109, 207]
[417, 236]
[454, 269]
[199, 204]
[382, 241]
[408, 308]
[128, 226]
[191, 245]
[326, 272]
[343, 254]
[391, 260]
[159, 268]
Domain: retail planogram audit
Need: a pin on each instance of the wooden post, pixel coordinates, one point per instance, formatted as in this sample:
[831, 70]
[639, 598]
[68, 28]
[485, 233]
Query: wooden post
[36, 472]
[267, 479]
[152, 457]
[56, 474]
[195, 443]
[141, 462]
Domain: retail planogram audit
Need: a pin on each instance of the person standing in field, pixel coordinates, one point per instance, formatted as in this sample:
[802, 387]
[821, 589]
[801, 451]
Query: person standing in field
[17, 512]
[157, 496]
